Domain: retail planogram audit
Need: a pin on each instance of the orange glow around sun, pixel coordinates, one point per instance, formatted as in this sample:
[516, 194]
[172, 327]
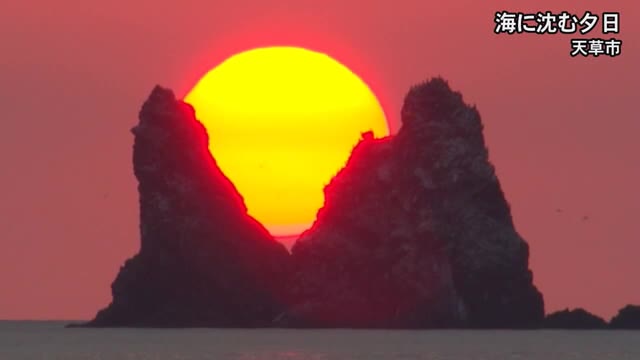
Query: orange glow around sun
[282, 121]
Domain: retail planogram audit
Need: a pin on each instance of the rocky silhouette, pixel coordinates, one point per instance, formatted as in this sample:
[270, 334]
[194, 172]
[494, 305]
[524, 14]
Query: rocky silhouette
[415, 232]
[574, 319]
[627, 318]
[202, 261]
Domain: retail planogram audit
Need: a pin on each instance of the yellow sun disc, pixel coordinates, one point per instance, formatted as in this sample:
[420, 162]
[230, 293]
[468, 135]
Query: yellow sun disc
[282, 121]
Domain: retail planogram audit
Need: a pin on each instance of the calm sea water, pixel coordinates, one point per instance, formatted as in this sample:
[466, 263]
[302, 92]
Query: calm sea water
[49, 340]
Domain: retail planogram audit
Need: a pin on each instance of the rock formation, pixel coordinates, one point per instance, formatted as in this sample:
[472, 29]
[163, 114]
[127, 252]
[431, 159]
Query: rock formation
[202, 261]
[574, 319]
[627, 318]
[416, 232]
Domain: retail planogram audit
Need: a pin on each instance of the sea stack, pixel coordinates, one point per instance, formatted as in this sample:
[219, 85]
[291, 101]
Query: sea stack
[203, 261]
[416, 232]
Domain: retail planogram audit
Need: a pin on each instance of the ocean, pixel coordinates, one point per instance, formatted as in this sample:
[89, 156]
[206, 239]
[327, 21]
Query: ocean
[26, 340]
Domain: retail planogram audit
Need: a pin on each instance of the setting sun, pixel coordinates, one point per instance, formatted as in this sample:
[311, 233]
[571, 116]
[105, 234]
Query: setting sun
[282, 122]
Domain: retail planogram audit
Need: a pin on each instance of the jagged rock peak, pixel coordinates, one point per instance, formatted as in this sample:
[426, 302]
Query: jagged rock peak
[203, 260]
[416, 232]
[443, 111]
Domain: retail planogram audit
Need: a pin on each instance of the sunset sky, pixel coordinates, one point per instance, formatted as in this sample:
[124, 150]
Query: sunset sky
[562, 131]
[307, 113]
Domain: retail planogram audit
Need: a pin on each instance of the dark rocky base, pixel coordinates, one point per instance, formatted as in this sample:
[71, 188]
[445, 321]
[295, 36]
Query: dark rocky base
[576, 319]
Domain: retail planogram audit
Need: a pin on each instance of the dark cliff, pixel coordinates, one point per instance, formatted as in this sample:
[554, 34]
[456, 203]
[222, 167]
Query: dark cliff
[202, 261]
[416, 232]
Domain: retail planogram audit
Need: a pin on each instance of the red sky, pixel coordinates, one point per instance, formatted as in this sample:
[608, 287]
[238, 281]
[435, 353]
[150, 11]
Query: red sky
[561, 131]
